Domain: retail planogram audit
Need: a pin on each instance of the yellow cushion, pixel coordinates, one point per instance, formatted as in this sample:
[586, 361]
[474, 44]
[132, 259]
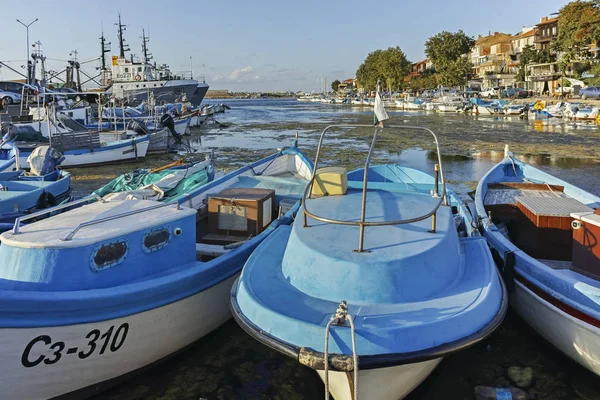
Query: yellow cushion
[330, 181]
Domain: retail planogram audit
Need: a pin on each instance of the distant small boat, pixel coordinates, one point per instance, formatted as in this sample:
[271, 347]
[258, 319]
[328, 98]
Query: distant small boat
[514, 109]
[22, 193]
[108, 288]
[544, 235]
[482, 107]
[85, 149]
[587, 114]
[452, 104]
[413, 279]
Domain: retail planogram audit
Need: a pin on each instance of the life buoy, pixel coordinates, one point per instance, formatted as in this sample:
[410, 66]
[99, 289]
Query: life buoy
[108, 81]
[137, 78]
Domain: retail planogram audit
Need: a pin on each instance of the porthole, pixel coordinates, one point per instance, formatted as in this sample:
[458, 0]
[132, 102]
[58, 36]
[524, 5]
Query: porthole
[108, 255]
[156, 239]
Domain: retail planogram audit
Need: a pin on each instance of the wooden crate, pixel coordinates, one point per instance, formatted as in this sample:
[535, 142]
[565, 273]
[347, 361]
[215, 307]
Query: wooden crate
[546, 230]
[240, 211]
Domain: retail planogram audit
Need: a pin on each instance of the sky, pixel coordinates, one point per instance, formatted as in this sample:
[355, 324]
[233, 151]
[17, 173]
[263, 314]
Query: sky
[259, 45]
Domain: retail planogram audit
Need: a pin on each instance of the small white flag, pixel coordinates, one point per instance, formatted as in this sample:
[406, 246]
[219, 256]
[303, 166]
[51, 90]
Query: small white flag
[380, 113]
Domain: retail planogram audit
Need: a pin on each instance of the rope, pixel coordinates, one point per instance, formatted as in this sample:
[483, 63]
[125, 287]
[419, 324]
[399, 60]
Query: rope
[339, 318]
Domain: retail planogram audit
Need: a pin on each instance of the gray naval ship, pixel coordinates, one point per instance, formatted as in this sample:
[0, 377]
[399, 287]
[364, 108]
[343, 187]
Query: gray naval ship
[135, 81]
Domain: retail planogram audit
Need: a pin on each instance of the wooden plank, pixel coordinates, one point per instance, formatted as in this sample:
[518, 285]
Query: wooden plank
[525, 186]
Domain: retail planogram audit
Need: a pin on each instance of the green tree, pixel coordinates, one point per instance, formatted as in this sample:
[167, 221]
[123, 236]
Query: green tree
[578, 26]
[528, 55]
[335, 85]
[391, 66]
[425, 81]
[449, 53]
[544, 56]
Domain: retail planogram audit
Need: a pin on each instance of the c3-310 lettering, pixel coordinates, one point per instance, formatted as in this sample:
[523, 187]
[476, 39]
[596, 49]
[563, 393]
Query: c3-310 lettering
[96, 339]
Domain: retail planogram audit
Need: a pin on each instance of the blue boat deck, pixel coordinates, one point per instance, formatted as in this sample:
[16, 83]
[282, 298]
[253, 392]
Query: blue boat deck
[413, 290]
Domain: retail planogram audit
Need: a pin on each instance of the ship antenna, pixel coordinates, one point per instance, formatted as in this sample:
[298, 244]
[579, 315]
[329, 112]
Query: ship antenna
[104, 48]
[145, 40]
[122, 45]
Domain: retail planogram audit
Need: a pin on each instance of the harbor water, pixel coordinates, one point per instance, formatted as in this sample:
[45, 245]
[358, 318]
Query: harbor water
[228, 364]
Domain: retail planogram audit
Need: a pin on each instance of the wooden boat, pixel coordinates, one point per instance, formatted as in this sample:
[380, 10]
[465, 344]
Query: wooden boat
[543, 234]
[413, 279]
[128, 282]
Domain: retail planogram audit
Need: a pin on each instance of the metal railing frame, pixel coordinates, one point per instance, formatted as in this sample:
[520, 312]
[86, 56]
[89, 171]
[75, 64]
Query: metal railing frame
[117, 216]
[18, 220]
[362, 223]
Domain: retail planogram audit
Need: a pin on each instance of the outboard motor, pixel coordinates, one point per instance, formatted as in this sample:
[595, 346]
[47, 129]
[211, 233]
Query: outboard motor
[138, 127]
[8, 131]
[168, 122]
[44, 160]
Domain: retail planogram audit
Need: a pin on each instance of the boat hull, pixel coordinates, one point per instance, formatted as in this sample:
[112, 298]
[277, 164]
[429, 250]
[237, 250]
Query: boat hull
[391, 383]
[44, 362]
[444, 108]
[577, 339]
[118, 152]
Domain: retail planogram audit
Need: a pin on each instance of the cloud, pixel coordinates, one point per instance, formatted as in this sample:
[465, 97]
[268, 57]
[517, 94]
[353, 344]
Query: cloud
[270, 65]
[239, 73]
[218, 78]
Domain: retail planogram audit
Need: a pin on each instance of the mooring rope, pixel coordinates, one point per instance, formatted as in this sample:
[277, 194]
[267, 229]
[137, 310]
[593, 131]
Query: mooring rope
[339, 318]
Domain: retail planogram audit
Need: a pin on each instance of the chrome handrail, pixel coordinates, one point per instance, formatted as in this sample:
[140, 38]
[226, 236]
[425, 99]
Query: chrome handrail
[117, 216]
[18, 220]
[362, 223]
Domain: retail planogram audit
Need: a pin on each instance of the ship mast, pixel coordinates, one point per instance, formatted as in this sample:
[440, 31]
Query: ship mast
[145, 40]
[122, 45]
[104, 48]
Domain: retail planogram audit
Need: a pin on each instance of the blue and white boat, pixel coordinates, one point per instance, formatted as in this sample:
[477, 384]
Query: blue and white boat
[97, 292]
[24, 193]
[589, 113]
[401, 262]
[483, 107]
[544, 234]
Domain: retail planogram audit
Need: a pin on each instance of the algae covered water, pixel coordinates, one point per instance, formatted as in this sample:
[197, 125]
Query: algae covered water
[228, 364]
